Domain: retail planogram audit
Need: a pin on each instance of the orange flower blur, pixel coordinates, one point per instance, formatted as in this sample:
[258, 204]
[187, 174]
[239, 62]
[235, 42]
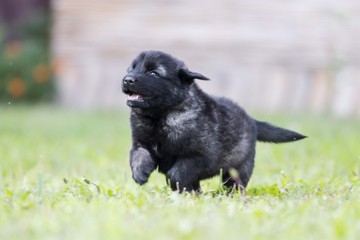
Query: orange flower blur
[16, 87]
[57, 65]
[41, 73]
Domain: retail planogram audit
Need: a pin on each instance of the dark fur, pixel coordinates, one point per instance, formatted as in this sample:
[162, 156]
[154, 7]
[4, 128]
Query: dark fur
[185, 133]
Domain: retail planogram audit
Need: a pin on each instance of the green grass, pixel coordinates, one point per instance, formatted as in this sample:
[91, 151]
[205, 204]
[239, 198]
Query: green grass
[64, 174]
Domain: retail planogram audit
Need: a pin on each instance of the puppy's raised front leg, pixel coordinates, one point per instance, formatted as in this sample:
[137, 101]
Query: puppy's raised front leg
[142, 164]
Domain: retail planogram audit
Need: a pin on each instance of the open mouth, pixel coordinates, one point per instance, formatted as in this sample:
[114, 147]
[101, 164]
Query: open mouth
[136, 96]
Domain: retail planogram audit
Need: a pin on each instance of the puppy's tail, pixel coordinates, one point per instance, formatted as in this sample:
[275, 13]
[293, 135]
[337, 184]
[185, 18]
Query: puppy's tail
[270, 133]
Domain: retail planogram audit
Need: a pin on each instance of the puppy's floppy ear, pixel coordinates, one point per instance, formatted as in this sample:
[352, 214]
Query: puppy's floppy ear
[189, 76]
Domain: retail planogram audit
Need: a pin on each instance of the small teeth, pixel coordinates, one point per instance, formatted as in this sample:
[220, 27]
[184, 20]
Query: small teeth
[134, 97]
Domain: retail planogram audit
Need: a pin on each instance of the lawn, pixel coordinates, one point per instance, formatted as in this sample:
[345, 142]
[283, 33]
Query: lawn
[64, 174]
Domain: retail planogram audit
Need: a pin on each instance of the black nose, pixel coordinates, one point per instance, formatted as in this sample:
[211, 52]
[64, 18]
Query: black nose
[128, 80]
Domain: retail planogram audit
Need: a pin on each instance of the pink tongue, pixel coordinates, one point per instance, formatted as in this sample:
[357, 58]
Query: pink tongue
[134, 97]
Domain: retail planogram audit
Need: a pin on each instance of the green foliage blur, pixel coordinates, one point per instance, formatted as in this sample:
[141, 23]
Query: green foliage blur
[25, 68]
[65, 174]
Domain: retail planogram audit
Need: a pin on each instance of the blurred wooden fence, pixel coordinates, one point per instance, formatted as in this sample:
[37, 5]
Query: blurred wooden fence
[276, 55]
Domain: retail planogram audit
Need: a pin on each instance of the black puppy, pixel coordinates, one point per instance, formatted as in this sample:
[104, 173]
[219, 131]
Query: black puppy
[187, 134]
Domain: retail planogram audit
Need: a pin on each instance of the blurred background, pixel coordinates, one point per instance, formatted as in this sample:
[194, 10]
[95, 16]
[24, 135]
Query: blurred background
[267, 55]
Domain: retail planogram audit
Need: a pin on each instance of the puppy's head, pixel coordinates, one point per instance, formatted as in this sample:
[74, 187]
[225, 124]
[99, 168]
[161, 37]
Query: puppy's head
[157, 80]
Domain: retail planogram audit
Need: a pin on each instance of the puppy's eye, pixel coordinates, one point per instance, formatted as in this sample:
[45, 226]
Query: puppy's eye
[153, 73]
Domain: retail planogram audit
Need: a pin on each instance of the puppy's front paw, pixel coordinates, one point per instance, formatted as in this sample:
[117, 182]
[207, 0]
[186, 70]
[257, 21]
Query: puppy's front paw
[140, 177]
[142, 165]
[142, 173]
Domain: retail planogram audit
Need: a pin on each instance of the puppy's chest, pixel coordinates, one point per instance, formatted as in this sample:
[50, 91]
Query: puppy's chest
[177, 125]
[159, 135]
[170, 133]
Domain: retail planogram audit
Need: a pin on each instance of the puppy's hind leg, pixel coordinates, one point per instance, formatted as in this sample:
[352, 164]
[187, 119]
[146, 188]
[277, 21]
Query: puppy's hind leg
[239, 178]
[246, 169]
[233, 181]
